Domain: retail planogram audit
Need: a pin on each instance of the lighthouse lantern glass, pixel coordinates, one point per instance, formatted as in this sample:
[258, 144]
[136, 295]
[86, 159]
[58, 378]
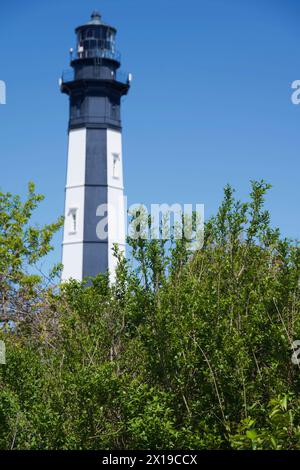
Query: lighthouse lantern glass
[96, 41]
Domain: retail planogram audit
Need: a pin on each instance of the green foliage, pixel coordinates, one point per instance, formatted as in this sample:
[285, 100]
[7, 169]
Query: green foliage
[21, 246]
[279, 431]
[186, 349]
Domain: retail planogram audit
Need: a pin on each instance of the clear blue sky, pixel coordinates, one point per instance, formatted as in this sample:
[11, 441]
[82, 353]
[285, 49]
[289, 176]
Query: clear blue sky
[210, 101]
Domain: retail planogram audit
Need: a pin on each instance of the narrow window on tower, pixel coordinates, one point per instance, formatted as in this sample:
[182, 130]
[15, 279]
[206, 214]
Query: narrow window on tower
[116, 165]
[114, 110]
[72, 220]
[78, 108]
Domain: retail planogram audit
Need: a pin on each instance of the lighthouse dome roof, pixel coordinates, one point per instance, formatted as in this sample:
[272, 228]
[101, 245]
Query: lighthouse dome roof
[96, 20]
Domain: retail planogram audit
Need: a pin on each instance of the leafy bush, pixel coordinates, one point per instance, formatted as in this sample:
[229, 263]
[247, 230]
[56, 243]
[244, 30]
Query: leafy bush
[187, 349]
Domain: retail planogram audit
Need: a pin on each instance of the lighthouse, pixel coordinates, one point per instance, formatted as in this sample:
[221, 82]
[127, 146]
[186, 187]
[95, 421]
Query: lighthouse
[94, 199]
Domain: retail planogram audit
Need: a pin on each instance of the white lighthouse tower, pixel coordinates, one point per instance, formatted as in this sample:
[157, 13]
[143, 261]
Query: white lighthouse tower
[94, 203]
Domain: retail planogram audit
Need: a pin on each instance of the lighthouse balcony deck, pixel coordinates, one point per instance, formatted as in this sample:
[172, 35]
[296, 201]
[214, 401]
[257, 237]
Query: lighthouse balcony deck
[94, 73]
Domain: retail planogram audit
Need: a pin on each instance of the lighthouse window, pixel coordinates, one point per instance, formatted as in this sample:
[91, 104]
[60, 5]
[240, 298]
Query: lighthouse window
[116, 165]
[114, 111]
[78, 108]
[73, 220]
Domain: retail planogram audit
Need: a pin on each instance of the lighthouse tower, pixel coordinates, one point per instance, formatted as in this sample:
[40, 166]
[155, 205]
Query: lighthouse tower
[94, 203]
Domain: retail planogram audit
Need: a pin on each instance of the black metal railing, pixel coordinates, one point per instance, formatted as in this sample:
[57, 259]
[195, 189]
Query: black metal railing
[82, 53]
[95, 73]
